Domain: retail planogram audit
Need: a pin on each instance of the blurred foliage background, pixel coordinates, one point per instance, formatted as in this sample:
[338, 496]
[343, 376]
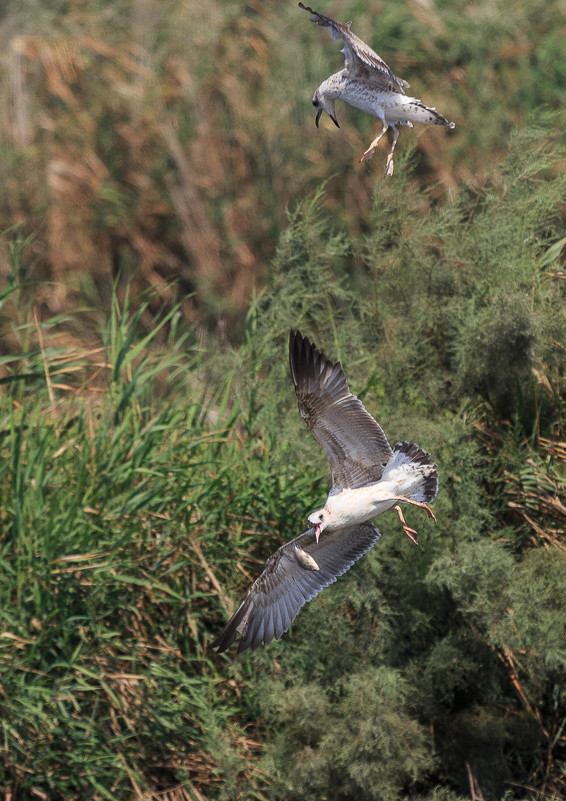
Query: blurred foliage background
[163, 141]
[169, 212]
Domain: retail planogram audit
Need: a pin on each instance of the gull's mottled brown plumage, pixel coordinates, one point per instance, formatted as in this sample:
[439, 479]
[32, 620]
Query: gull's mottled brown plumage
[367, 83]
[360, 59]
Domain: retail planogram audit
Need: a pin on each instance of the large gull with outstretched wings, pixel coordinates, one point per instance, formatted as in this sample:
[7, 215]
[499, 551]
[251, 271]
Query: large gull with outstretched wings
[367, 83]
[368, 478]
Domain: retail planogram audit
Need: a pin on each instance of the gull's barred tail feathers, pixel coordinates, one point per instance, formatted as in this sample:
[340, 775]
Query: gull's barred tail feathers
[409, 458]
[415, 111]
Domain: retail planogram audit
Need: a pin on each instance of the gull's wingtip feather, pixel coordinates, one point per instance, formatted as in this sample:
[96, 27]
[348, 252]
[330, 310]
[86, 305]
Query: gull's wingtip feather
[309, 9]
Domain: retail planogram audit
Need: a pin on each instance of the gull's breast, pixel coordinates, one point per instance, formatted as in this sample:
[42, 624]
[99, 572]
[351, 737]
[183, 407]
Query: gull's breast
[358, 505]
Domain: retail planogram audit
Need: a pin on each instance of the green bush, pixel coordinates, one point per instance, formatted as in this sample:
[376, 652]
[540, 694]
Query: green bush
[143, 481]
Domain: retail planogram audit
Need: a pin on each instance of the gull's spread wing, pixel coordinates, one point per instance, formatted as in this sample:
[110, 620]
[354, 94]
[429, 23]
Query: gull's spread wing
[287, 583]
[354, 444]
[360, 59]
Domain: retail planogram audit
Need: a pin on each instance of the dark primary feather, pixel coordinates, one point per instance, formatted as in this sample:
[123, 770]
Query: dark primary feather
[277, 595]
[358, 55]
[354, 444]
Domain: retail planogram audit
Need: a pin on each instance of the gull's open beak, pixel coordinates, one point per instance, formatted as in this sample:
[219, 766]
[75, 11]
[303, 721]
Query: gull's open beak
[317, 530]
[332, 117]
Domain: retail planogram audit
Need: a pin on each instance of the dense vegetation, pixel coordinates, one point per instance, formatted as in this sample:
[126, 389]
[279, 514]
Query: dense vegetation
[167, 221]
[165, 140]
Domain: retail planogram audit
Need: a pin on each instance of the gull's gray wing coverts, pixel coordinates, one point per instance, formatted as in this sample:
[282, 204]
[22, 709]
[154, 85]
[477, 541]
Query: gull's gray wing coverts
[354, 443]
[285, 585]
[360, 60]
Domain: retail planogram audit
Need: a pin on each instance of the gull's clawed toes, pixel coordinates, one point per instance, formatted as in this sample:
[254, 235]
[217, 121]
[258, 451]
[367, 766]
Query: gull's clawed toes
[410, 532]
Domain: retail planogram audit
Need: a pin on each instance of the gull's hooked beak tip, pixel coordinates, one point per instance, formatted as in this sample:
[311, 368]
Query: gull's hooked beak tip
[334, 120]
[318, 114]
[317, 531]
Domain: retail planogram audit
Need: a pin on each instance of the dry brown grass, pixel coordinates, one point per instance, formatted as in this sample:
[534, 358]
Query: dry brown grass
[167, 143]
[538, 493]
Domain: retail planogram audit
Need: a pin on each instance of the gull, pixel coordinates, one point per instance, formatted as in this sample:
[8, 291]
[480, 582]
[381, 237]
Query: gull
[367, 83]
[368, 478]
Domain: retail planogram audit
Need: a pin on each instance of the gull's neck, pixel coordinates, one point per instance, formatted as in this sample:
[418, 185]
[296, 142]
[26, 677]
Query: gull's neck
[333, 86]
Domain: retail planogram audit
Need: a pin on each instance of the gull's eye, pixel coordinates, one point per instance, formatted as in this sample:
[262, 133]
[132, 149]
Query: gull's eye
[315, 103]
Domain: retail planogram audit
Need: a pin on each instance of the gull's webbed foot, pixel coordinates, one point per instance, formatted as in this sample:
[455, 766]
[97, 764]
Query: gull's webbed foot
[424, 506]
[369, 153]
[410, 532]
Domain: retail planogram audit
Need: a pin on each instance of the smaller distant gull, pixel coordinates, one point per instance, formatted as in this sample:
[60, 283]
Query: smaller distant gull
[367, 83]
[368, 478]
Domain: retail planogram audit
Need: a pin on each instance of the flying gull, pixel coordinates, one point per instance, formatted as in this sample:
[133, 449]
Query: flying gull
[367, 83]
[368, 478]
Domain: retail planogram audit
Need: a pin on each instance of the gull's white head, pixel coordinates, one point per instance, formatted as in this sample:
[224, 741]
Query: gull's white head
[323, 100]
[319, 520]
